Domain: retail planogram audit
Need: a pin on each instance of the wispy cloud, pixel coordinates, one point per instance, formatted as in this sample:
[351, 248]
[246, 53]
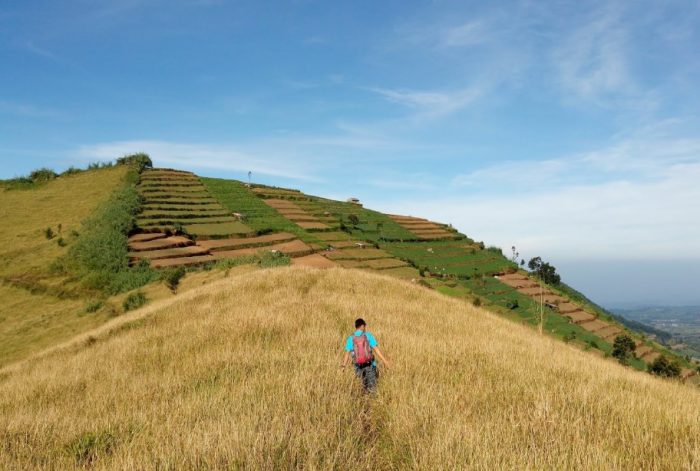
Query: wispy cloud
[42, 52]
[203, 156]
[469, 33]
[432, 103]
[25, 110]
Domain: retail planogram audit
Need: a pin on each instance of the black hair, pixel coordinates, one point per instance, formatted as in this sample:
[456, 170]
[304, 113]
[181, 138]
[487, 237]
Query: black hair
[359, 323]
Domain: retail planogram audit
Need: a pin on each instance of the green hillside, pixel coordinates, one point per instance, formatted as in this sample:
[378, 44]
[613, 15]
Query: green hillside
[143, 226]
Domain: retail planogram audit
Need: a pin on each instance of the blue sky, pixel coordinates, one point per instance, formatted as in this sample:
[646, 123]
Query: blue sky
[569, 129]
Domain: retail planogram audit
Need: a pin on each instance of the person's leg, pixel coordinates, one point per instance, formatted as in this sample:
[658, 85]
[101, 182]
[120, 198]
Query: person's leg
[369, 378]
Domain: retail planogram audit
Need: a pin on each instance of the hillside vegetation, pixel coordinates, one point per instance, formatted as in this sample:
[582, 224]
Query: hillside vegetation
[243, 372]
[37, 306]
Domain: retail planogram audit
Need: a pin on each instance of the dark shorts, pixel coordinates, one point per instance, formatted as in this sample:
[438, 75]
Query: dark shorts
[369, 375]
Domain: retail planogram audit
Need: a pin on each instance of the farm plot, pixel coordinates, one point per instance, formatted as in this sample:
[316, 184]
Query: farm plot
[358, 254]
[455, 258]
[297, 215]
[179, 201]
[237, 198]
[425, 229]
[295, 248]
[314, 261]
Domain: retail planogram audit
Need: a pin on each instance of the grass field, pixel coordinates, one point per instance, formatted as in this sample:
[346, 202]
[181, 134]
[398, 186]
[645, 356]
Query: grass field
[457, 258]
[235, 197]
[39, 308]
[197, 381]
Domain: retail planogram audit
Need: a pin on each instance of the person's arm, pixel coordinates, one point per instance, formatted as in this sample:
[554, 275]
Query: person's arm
[381, 357]
[346, 359]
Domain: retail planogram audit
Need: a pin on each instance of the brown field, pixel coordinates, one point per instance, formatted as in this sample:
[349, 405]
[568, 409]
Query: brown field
[182, 261]
[169, 253]
[358, 254]
[293, 248]
[609, 333]
[214, 378]
[146, 237]
[534, 291]
[567, 307]
[282, 204]
[385, 263]
[344, 244]
[579, 316]
[222, 244]
[314, 261]
[594, 325]
[160, 243]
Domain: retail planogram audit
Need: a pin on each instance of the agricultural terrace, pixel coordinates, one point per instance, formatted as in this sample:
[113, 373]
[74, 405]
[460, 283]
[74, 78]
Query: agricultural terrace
[237, 198]
[457, 258]
[175, 200]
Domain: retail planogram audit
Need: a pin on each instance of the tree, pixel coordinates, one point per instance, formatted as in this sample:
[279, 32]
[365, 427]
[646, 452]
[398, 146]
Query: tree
[623, 348]
[354, 220]
[515, 254]
[662, 366]
[544, 271]
[139, 160]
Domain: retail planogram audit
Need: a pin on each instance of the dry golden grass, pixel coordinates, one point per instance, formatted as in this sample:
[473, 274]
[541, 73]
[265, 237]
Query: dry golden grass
[33, 315]
[243, 373]
[25, 214]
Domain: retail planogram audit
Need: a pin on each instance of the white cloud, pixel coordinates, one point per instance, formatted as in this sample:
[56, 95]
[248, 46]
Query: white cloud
[467, 34]
[432, 104]
[637, 199]
[203, 156]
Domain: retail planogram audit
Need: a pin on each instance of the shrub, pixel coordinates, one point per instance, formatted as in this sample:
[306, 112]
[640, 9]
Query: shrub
[94, 306]
[353, 219]
[172, 277]
[623, 348]
[664, 367]
[139, 160]
[268, 259]
[134, 301]
[61, 242]
[570, 336]
[512, 304]
[70, 171]
[42, 175]
[100, 255]
[49, 234]
[476, 301]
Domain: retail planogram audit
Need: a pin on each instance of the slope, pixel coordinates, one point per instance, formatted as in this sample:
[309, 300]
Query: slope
[36, 307]
[243, 373]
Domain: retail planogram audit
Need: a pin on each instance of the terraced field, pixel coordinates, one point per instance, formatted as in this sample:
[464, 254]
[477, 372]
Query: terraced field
[177, 201]
[182, 224]
[425, 229]
[459, 258]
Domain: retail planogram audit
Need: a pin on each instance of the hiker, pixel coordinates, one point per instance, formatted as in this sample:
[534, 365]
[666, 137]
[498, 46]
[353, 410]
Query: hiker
[362, 347]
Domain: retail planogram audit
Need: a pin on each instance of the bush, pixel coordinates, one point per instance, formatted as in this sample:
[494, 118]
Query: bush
[49, 234]
[70, 171]
[623, 348]
[512, 304]
[570, 336]
[476, 301]
[42, 175]
[61, 242]
[100, 254]
[134, 301]
[268, 259]
[140, 161]
[172, 277]
[94, 306]
[664, 367]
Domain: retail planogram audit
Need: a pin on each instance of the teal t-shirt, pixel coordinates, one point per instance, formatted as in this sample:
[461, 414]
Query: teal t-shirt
[370, 339]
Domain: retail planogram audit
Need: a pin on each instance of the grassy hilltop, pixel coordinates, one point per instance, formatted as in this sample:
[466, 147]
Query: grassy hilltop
[143, 326]
[243, 372]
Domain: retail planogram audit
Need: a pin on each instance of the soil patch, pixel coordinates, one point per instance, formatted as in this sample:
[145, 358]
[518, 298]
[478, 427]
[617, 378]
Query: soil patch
[182, 261]
[240, 243]
[160, 243]
[147, 237]
[293, 248]
[578, 317]
[190, 251]
[314, 261]
[594, 326]
[312, 225]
